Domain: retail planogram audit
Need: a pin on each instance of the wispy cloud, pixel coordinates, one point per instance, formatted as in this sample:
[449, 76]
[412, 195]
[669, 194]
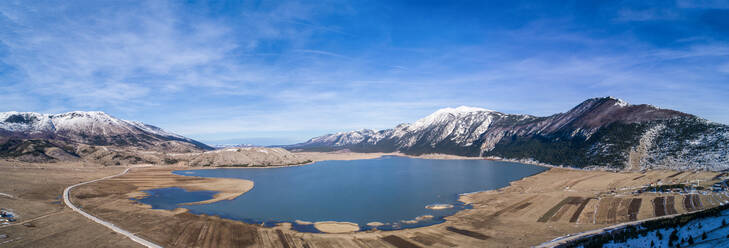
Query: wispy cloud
[319, 52]
[110, 57]
[651, 14]
[703, 4]
[290, 69]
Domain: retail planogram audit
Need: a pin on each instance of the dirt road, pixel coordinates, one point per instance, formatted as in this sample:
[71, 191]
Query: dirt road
[97, 220]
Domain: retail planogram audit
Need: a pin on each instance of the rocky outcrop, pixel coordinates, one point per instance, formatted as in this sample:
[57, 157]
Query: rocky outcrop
[242, 157]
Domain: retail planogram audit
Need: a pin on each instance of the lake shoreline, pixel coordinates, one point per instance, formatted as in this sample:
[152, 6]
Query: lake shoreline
[338, 156]
[329, 156]
[345, 156]
[497, 217]
[225, 188]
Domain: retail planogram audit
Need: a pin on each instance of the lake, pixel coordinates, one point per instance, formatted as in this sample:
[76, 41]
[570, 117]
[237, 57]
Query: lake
[392, 190]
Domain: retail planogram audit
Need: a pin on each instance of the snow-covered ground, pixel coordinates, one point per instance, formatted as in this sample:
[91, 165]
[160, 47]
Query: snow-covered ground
[717, 234]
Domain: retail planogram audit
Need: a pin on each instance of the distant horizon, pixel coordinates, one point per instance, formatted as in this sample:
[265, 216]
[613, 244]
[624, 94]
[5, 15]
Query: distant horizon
[267, 141]
[286, 71]
[273, 141]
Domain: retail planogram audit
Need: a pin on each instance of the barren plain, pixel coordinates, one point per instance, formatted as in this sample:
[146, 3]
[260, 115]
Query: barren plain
[529, 212]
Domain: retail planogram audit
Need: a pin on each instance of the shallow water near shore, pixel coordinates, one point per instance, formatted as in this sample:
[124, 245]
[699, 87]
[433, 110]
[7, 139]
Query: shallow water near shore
[392, 190]
[169, 198]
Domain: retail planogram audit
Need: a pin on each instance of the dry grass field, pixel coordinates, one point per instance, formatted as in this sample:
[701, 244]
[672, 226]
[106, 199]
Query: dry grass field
[42, 219]
[531, 211]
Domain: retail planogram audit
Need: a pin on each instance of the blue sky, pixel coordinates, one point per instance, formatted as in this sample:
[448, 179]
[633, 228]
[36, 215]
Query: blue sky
[276, 72]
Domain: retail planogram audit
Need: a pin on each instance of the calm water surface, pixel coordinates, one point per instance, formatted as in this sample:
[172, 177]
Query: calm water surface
[389, 190]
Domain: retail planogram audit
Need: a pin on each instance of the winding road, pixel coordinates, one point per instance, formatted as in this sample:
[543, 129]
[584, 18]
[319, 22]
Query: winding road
[111, 226]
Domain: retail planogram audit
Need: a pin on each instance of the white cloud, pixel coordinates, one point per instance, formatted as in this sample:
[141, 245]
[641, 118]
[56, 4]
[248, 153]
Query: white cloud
[263, 71]
[319, 52]
[703, 4]
[652, 14]
[102, 56]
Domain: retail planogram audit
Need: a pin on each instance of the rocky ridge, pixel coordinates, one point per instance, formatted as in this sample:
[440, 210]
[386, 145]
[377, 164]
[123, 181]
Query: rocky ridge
[600, 132]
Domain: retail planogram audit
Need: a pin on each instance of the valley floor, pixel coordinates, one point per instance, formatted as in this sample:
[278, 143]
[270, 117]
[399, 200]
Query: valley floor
[529, 212]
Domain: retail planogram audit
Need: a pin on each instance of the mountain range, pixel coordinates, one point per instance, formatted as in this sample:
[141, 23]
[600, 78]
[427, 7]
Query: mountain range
[601, 132]
[99, 138]
[36, 137]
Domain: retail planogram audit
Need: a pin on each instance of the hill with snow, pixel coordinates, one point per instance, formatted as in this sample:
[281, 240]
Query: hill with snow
[599, 132]
[39, 137]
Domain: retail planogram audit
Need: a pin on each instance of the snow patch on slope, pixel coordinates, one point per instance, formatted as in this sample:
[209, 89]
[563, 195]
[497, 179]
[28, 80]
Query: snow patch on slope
[444, 114]
[25, 122]
[92, 127]
[90, 122]
[716, 234]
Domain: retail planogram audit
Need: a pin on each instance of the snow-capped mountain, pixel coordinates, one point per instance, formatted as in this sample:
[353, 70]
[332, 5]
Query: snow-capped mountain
[92, 128]
[598, 132]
